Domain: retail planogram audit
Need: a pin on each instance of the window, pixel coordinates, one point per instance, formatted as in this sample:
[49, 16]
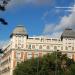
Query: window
[61, 48]
[22, 45]
[26, 46]
[19, 45]
[29, 55]
[69, 43]
[18, 55]
[47, 47]
[42, 40]
[33, 46]
[15, 45]
[21, 39]
[40, 47]
[66, 48]
[72, 48]
[29, 47]
[55, 47]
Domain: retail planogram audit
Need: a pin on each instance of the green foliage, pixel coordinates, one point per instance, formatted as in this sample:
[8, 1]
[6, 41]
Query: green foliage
[1, 51]
[55, 63]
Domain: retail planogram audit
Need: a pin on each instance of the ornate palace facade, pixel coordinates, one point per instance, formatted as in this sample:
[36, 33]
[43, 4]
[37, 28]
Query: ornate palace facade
[22, 47]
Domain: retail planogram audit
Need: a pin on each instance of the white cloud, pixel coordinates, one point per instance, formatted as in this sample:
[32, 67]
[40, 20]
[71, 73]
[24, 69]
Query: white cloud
[45, 15]
[13, 3]
[3, 43]
[48, 28]
[65, 22]
[56, 35]
[39, 2]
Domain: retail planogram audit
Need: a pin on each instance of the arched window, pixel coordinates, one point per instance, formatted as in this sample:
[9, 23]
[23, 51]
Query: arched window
[40, 47]
[33, 46]
[48, 47]
[62, 48]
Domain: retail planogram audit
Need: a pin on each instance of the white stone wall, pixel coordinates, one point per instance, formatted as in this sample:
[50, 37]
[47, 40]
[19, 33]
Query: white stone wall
[32, 46]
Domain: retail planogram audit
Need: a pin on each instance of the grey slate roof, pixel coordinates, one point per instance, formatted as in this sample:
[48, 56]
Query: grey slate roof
[19, 30]
[69, 33]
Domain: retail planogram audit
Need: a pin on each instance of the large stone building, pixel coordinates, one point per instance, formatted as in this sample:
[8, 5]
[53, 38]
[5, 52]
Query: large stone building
[22, 47]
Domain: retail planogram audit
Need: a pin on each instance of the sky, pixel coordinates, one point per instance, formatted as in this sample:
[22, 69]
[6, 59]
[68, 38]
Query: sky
[40, 17]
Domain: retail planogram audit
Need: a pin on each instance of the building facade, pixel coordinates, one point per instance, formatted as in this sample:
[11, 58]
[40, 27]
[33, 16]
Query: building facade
[22, 47]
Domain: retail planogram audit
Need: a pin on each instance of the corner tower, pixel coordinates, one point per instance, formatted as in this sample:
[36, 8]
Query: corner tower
[68, 39]
[18, 37]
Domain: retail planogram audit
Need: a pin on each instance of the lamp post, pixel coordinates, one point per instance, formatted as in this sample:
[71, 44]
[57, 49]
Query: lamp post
[36, 50]
[56, 63]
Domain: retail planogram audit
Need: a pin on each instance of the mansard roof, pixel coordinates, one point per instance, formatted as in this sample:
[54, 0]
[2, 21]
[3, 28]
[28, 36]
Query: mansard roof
[19, 30]
[68, 33]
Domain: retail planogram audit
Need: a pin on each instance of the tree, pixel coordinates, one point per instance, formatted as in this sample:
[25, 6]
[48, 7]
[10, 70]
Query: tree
[55, 63]
[1, 51]
[3, 8]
